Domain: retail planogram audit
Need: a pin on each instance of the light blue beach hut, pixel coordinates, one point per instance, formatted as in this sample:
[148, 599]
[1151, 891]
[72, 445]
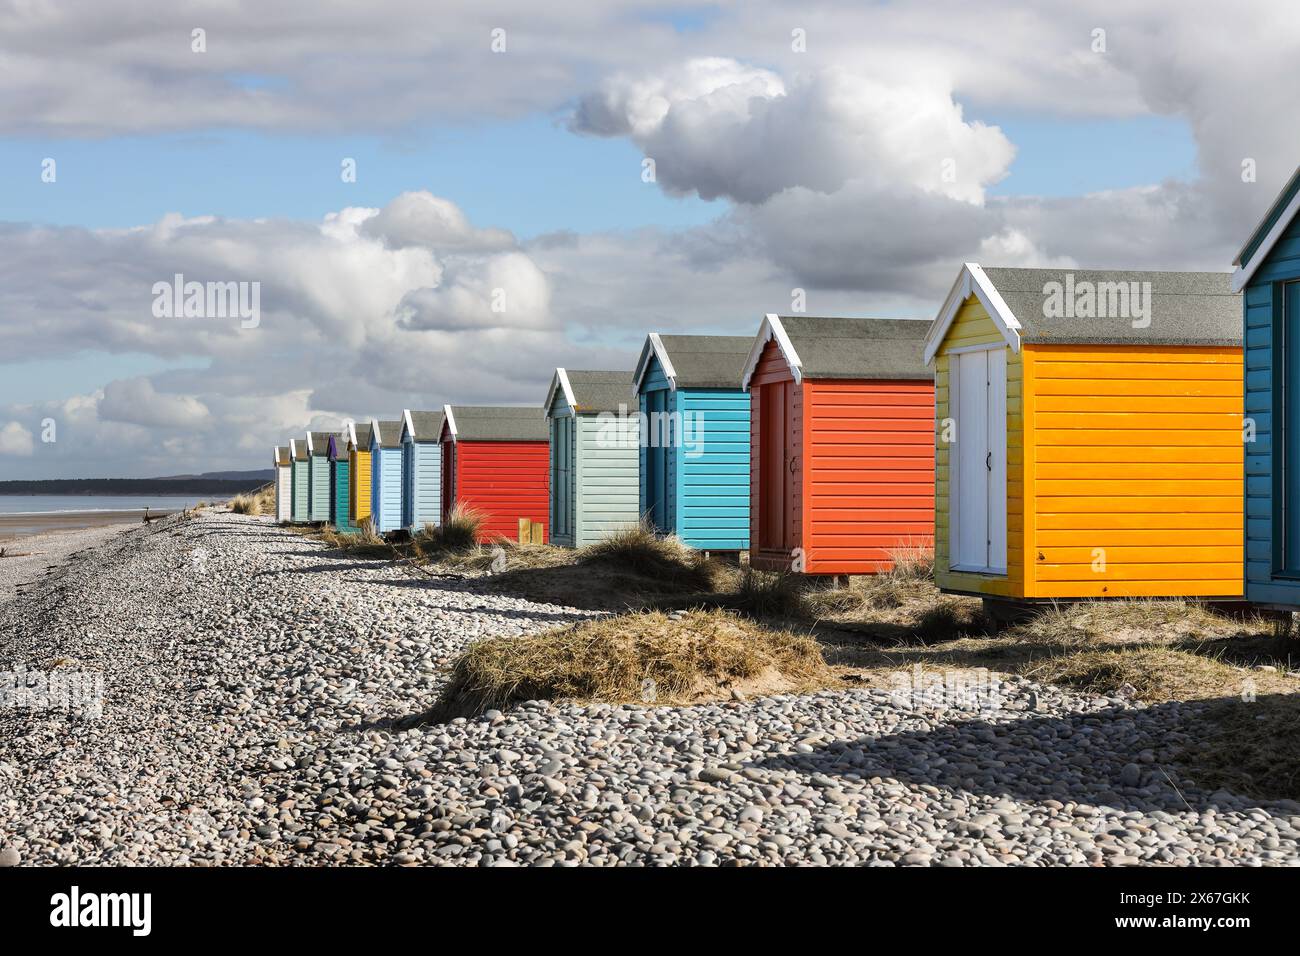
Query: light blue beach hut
[595, 456]
[385, 475]
[421, 469]
[694, 468]
[320, 489]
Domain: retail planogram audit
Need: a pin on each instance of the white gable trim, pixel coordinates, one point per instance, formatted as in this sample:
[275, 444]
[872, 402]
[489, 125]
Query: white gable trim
[1247, 269]
[374, 433]
[561, 381]
[408, 428]
[310, 450]
[451, 421]
[293, 450]
[654, 343]
[275, 455]
[351, 427]
[771, 328]
[972, 281]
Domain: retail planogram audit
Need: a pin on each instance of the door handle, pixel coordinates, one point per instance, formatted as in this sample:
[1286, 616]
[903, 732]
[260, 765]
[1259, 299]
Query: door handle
[988, 461]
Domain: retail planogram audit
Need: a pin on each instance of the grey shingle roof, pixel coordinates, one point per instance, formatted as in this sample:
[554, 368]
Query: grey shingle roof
[281, 455]
[427, 425]
[858, 348]
[707, 361]
[299, 447]
[390, 434]
[320, 442]
[500, 423]
[599, 391]
[1185, 308]
[363, 435]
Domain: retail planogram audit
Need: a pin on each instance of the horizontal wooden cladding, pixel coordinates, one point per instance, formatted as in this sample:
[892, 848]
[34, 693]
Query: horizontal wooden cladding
[1179, 405]
[1229, 453]
[1050, 542]
[1162, 571]
[867, 473]
[1137, 460]
[1149, 435]
[1190, 420]
[1139, 471]
[1142, 387]
[1226, 588]
[1050, 489]
[506, 481]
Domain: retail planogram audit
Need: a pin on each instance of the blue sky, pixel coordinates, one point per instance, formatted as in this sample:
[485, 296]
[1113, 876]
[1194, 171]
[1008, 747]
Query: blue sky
[823, 160]
[531, 176]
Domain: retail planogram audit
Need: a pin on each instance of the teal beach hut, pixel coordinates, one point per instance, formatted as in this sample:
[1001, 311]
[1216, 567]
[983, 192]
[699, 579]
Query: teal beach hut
[385, 475]
[694, 457]
[1268, 277]
[298, 479]
[340, 473]
[421, 469]
[595, 456]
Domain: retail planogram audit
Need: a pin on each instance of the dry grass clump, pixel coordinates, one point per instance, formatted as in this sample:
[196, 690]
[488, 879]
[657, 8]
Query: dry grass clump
[1155, 673]
[363, 543]
[1247, 747]
[638, 550]
[457, 535]
[1119, 621]
[245, 505]
[771, 594]
[259, 502]
[909, 581]
[647, 657]
[951, 620]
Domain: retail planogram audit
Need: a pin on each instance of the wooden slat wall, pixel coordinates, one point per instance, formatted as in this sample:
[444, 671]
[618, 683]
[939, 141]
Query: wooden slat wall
[385, 488]
[974, 327]
[506, 480]
[300, 487]
[868, 473]
[359, 485]
[1263, 371]
[1137, 460]
[606, 482]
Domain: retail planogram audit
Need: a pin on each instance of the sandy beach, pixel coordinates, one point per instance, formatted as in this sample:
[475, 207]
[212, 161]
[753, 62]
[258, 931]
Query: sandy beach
[16, 527]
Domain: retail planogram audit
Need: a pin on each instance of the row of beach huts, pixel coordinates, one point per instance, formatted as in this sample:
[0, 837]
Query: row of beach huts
[1053, 434]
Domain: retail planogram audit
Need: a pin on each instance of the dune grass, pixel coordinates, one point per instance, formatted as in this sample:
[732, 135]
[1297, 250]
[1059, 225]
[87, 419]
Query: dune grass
[645, 657]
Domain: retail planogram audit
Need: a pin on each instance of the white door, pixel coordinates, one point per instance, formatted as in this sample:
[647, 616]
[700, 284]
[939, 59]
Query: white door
[978, 489]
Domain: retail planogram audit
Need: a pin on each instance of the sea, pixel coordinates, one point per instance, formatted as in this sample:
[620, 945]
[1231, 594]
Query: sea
[83, 504]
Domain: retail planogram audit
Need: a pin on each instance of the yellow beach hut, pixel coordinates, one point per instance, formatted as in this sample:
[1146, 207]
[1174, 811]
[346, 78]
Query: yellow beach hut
[1088, 434]
[358, 437]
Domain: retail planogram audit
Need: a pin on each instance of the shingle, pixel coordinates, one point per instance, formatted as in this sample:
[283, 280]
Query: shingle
[390, 434]
[1185, 308]
[500, 423]
[363, 435]
[281, 455]
[427, 425]
[320, 442]
[858, 348]
[707, 361]
[596, 391]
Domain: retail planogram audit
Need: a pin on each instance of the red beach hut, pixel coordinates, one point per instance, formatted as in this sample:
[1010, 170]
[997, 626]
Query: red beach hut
[842, 432]
[497, 460]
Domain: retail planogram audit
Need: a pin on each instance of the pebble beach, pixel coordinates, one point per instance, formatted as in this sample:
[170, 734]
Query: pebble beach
[260, 703]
